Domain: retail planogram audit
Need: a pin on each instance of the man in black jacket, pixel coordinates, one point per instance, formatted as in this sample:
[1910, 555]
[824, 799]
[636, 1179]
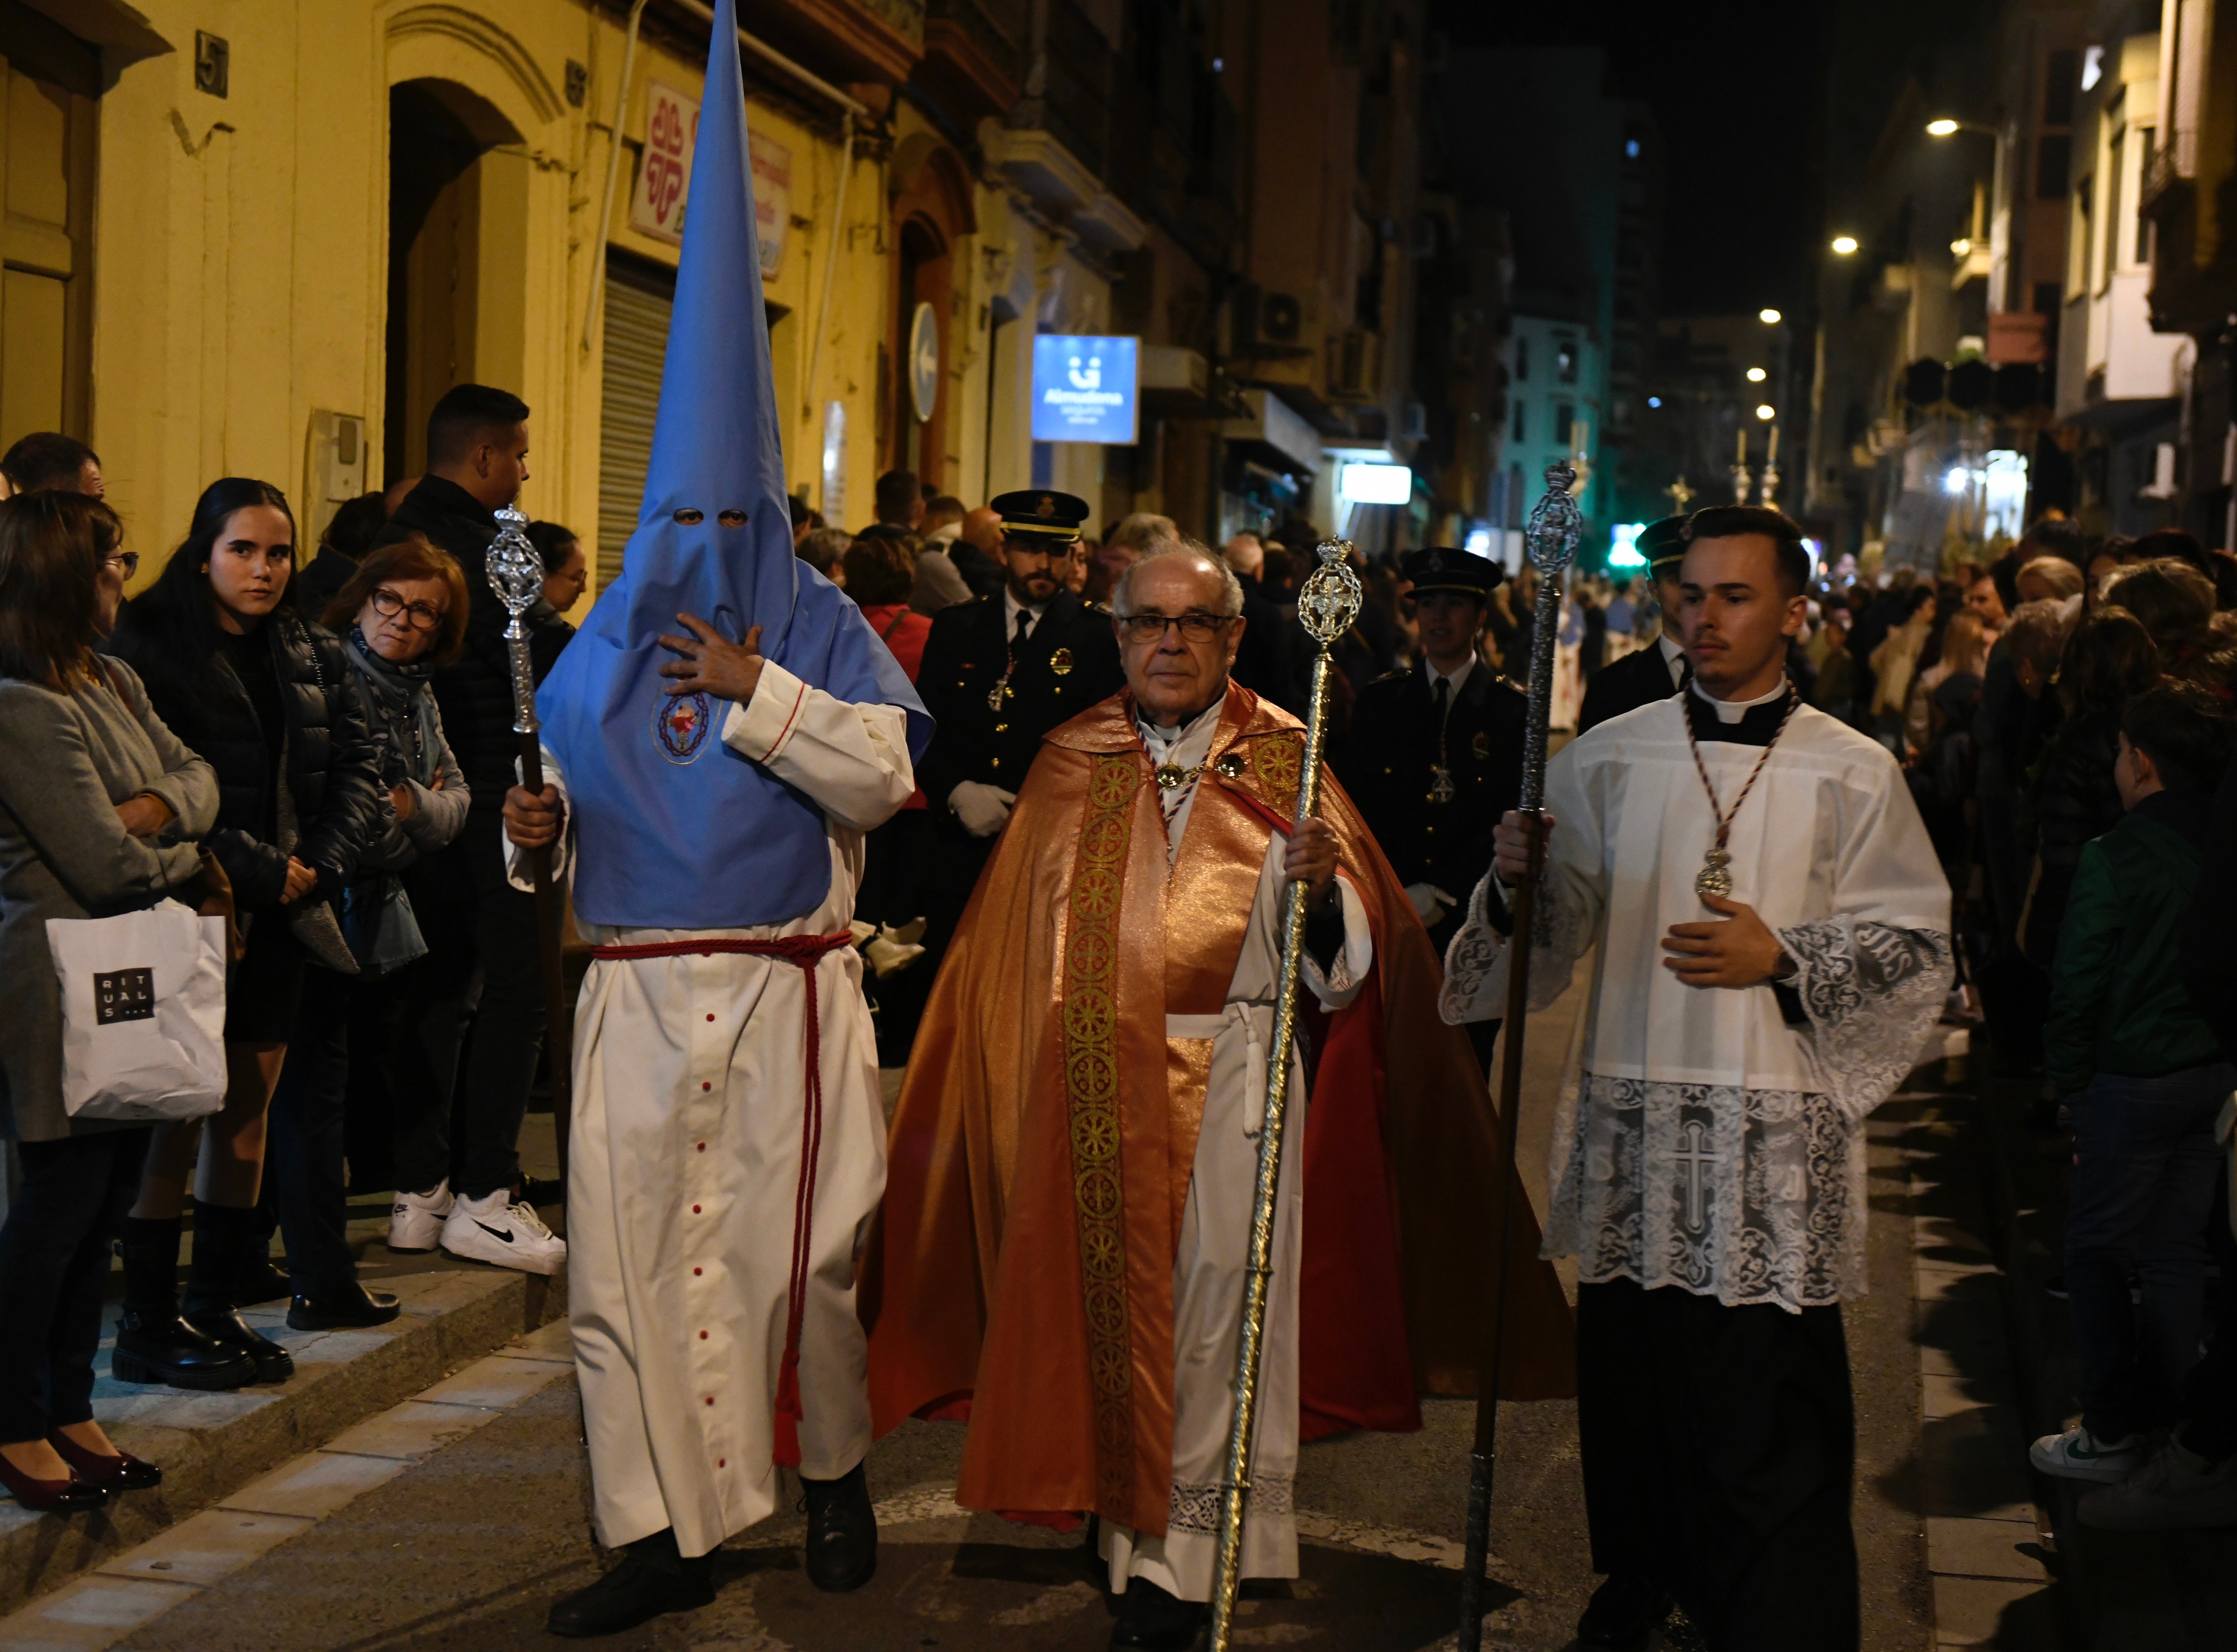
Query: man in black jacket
[998, 674]
[483, 965]
[1658, 670]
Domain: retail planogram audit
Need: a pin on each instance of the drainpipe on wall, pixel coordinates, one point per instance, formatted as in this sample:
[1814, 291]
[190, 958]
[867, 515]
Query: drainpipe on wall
[613, 171]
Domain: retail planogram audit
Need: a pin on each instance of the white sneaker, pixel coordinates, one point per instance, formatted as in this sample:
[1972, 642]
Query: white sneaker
[415, 1222]
[2177, 1490]
[2079, 1454]
[494, 1229]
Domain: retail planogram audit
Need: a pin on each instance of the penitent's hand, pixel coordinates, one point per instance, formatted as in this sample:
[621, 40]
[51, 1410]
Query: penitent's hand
[1309, 859]
[710, 666]
[1515, 855]
[531, 821]
[1739, 951]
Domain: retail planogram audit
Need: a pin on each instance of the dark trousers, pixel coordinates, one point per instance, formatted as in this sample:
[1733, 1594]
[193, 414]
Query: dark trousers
[482, 970]
[305, 1169]
[2209, 1393]
[54, 1275]
[1719, 1445]
[2145, 1169]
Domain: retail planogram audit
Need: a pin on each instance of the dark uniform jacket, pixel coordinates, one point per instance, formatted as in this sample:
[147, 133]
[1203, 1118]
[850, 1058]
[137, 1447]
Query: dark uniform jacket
[1387, 761]
[474, 693]
[1641, 678]
[1068, 662]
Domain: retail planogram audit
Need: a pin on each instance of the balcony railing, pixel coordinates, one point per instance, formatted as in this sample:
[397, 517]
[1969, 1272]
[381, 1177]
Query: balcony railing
[1077, 106]
[984, 41]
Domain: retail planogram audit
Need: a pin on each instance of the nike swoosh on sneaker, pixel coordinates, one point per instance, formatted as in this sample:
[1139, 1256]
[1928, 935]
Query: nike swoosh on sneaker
[495, 1232]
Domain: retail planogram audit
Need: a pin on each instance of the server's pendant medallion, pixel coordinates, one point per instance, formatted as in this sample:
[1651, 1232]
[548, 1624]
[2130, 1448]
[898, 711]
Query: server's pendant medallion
[1715, 877]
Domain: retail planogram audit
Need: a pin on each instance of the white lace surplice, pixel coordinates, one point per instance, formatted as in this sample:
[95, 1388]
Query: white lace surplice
[1704, 1143]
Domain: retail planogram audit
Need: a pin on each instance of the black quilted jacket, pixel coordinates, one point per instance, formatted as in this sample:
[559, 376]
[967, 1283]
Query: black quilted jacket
[333, 777]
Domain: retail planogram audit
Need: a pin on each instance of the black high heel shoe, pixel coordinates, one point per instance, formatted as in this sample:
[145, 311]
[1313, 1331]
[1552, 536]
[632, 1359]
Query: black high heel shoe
[123, 1472]
[50, 1496]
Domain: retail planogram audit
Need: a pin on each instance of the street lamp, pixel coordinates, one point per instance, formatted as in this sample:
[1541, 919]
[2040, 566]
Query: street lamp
[1757, 375]
[1844, 246]
[1769, 318]
[1940, 128]
[1766, 413]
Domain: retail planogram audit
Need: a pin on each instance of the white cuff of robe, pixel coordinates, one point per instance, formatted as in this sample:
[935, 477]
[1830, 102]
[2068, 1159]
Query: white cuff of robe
[759, 727]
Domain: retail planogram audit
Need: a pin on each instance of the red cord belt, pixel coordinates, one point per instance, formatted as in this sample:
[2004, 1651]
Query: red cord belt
[807, 951]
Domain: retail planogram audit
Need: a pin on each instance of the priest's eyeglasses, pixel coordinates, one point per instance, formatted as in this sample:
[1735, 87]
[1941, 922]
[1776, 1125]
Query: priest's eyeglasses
[1197, 626]
[424, 615]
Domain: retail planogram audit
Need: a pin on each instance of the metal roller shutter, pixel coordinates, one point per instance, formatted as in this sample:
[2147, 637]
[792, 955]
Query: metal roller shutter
[636, 313]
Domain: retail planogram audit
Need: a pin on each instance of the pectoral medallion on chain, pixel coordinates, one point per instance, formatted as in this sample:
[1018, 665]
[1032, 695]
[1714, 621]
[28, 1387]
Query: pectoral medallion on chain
[1715, 877]
[1440, 784]
[1000, 693]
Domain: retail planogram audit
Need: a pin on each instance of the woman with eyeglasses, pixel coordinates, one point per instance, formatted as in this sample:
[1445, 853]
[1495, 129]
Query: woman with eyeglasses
[400, 614]
[100, 806]
[270, 701]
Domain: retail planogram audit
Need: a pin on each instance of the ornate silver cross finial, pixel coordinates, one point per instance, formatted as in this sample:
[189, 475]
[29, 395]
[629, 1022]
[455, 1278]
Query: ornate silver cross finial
[1330, 598]
[516, 574]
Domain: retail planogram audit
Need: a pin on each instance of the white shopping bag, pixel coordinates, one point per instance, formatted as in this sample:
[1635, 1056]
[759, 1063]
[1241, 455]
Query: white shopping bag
[143, 1014]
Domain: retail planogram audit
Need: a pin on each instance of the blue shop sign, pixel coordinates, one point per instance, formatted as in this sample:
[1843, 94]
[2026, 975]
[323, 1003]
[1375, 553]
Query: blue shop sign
[1083, 389]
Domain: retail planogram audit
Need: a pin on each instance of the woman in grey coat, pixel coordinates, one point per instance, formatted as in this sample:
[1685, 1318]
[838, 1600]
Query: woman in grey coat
[99, 808]
[402, 614]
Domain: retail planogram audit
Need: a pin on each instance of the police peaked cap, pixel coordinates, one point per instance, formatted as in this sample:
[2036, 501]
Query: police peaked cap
[1662, 542]
[1042, 513]
[1441, 568]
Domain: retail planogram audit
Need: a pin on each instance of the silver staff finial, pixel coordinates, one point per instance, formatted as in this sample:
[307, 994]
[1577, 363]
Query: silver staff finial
[516, 573]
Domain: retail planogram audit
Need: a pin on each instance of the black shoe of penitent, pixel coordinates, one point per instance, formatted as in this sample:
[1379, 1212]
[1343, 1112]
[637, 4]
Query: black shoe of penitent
[842, 1532]
[651, 1579]
[1622, 1615]
[1150, 1620]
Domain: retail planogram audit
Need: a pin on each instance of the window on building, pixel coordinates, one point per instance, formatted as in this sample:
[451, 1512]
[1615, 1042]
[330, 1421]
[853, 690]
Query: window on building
[1521, 423]
[2053, 161]
[2115, 154]
[2062, 78]
[2145, 135]
[1565, 421]
[1522, 360]
[2079, 241]
[1565, 358]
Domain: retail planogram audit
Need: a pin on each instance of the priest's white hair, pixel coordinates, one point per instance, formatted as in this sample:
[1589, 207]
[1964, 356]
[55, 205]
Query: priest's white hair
[1231, 588]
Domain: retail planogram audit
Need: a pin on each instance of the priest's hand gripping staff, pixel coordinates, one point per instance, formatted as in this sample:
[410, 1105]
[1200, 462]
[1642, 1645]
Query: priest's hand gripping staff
[1555, 526]
[516, 573]
[1327, 603]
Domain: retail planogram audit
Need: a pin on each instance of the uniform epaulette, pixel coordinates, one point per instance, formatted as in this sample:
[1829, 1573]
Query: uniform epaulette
[1398, 675]
[1095, 608]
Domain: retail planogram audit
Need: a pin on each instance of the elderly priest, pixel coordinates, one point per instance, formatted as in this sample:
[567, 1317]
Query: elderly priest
[1068, 1211]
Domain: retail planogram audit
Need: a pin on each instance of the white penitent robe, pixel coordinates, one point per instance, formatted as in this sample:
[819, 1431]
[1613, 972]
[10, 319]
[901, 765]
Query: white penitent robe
[689, 1086]
[1215, 1239]
[1706, 1143]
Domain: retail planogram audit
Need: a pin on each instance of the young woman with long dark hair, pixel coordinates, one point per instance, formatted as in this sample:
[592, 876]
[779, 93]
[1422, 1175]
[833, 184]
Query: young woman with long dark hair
[269, 700]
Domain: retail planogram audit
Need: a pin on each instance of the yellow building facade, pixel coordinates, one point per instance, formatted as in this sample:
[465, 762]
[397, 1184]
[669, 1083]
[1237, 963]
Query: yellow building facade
[261, 237]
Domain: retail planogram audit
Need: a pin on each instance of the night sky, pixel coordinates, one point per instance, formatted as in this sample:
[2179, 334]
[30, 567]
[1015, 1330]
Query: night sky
[1737, 87]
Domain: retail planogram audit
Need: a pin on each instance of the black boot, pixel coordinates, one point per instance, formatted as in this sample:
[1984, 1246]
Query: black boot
[653, 1578]
[351, 1307]
[842, 1532]
[222, 1236]
[1150, 1620]
[153, 1344]
[1622, 1615]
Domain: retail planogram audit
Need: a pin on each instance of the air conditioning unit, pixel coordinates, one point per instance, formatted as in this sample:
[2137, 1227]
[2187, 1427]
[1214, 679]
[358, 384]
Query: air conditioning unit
[1266, 327]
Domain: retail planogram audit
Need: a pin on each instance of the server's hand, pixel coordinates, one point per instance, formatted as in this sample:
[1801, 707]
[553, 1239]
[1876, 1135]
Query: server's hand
[1519, 848]
[1430, 903]
[1741, 951]
[983, 810]
[1309, 859]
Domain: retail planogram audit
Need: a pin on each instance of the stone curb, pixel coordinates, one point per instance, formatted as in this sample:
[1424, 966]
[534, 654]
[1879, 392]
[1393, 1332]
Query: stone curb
[210, 1445]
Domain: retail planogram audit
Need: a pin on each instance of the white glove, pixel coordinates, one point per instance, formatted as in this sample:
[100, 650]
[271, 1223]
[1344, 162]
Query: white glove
[1429, 902]
[981, 809]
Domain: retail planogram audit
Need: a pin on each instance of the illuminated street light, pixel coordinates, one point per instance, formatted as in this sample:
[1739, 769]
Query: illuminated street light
[1962, 247]
[1942, 127]
[1766, 412]
[1770, 318]
[1757, 375]
[1844, 246]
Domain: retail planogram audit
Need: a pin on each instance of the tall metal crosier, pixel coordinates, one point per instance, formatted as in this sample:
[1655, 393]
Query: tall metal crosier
[1326, 604]
[516, 573]
[1556, 525]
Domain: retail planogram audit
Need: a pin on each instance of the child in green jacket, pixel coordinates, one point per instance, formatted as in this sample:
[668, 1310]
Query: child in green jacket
[2144, 1077]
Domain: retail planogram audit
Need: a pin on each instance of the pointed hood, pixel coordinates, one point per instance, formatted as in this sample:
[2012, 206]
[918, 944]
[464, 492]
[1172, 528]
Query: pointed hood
[676, 829]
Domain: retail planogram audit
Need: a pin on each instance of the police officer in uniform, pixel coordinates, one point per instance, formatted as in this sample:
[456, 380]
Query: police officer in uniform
[999, 673]
[1660, 670]
[1433, 757]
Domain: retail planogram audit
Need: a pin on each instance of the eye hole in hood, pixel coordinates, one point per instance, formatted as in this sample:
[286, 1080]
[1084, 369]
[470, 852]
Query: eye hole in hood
[690, 518]
[732, 519]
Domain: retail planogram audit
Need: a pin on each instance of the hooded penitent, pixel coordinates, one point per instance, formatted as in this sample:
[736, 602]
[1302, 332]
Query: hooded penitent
[676, 830]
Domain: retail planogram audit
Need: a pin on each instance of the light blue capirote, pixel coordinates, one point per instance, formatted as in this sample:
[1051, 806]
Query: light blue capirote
[673, 829]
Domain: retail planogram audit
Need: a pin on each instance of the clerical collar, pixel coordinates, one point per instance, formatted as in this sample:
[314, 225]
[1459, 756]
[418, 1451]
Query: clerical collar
[1748, 722]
